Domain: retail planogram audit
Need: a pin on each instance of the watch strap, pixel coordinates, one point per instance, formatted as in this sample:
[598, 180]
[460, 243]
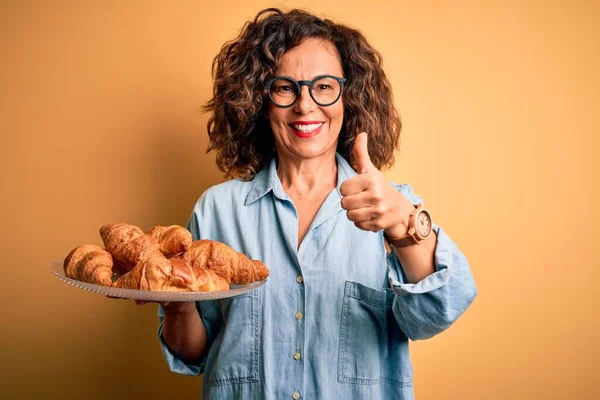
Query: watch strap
[400, 242]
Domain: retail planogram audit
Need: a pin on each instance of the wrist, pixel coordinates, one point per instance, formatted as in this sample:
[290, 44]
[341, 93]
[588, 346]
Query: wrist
[417, 229]
[179, 309]
[399, 230]
[400, 242]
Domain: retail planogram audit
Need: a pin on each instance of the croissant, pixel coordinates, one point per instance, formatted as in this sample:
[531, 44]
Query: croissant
[89, 263]
[215, 256]
[165, 259]
[128, 244]
[172, 240]
[160, 273]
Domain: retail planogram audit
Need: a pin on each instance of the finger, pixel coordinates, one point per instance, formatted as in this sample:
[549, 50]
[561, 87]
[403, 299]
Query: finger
[361, 215]
[356, 201]
[368, 219]
[368, 226]
[356, 184]
[140, 302]
[361, 153]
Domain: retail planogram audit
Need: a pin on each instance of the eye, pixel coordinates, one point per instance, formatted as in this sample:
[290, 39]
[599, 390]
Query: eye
[284, 88]
[324, 87]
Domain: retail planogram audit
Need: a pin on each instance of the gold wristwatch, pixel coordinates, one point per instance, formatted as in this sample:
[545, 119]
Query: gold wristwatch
[419, 228]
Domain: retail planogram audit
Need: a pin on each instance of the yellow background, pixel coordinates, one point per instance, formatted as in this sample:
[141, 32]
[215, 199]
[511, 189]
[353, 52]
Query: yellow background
[100, 122]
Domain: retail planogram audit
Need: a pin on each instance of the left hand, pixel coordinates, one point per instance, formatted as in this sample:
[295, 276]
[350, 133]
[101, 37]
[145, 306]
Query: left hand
[371, 202]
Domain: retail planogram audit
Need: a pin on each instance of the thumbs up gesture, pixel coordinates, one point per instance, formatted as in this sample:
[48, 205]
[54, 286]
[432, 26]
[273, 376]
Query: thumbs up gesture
[369, 199]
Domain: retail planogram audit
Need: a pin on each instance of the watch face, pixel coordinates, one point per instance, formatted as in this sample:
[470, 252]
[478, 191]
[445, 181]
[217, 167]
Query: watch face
[424, 223]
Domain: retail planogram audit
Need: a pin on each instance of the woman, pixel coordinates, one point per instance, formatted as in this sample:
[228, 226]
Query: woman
[303, 119]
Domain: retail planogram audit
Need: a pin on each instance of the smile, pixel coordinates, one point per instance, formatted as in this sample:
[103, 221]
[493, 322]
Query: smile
[305, 130]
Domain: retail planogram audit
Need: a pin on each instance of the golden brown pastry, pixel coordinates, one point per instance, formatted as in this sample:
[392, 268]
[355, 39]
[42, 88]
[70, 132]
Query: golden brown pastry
[159, 273]
[209, 281]
[163, 259]
[118, 267]
[128, 244]
[172, 240]
[89, 263]
[235, 267]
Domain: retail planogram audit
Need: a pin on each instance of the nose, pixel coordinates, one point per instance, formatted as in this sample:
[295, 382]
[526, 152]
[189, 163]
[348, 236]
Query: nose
[305, 103]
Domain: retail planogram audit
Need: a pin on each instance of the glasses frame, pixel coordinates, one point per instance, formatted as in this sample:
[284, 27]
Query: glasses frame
[299, 85]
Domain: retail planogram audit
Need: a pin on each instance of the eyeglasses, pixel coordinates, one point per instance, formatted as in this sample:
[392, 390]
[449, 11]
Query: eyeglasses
[325, 90]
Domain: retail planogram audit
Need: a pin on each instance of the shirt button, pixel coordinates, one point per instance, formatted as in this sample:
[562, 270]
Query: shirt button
[299, 279]
[299, 315]
[296, 395]
[296, 356]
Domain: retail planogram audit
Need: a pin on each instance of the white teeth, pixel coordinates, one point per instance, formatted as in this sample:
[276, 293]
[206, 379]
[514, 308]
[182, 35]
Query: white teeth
[307, 128]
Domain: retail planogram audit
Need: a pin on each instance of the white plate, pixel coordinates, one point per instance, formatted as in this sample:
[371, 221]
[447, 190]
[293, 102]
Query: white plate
[149, 295]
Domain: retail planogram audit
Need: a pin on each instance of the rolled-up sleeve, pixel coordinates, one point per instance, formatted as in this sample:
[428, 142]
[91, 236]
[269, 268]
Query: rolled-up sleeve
[428, 307]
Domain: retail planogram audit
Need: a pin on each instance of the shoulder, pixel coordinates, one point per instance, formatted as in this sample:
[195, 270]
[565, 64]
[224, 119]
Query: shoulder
[218, 206]
[228, 188]
[225, 193]
[407, 191]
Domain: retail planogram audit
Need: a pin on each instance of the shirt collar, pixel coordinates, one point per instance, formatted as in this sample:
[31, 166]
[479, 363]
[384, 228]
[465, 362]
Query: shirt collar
[267, 180]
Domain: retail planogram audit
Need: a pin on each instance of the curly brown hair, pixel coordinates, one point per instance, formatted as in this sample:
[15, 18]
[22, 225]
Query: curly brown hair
[238, 128]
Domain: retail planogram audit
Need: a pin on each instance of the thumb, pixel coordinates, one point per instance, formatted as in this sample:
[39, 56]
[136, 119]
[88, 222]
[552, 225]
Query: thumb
[361, 153]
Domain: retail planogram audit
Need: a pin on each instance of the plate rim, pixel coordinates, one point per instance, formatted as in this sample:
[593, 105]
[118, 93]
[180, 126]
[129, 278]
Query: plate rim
[57, 269]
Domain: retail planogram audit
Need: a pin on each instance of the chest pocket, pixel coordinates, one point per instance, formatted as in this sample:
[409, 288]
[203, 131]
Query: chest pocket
[373, 349]
[233, 357]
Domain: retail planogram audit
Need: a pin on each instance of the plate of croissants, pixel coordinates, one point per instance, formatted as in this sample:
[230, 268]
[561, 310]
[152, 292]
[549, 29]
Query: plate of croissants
[162, 264]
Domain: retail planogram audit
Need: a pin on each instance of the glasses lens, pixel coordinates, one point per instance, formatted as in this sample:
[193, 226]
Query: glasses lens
[326, 91]
[283, 92]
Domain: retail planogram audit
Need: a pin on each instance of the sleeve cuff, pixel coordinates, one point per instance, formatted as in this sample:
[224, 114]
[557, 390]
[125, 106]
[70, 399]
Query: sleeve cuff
[443, 268]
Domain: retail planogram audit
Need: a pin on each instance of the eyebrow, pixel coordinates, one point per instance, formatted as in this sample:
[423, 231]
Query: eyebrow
[310, 79]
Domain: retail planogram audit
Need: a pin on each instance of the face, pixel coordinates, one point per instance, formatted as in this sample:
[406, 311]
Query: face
[307, 130]
[424, 223]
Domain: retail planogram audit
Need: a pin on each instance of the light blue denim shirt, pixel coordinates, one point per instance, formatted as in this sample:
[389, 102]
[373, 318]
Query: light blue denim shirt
[334, 318]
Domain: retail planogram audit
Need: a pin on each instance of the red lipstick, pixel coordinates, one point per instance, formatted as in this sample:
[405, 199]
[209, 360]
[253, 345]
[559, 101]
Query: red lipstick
[306, 129]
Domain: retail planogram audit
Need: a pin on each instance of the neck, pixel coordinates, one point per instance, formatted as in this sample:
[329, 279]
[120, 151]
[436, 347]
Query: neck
[304, 176]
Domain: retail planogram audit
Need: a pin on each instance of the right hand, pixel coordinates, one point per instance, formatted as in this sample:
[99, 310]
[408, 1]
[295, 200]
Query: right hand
[170, 307]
